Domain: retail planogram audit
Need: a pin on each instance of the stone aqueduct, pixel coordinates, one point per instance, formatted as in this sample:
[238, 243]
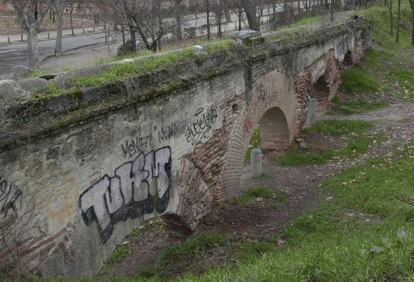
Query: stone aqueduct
[85, 174]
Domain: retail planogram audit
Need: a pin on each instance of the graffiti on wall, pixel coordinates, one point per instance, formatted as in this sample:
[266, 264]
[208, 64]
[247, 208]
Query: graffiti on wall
[166, 132]
[137, 144]
[138, 187]
[203, 122]
[11, 198]
[142, 140]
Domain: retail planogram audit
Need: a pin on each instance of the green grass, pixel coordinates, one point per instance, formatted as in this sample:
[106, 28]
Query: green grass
[363, 234]
[121, 71]
[374, 57]
[297, 157]
[358, 143]
[191, 248]
[358, 80]
[255, 143]
[264, 193]
[379, 18]
[150, 63]
[340, 127]
[357, 105]
[118, 255]
[404, 78]
[306, 21]
[250, 250]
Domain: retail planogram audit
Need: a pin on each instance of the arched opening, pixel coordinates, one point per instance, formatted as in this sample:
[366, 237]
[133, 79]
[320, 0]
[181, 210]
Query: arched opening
[274, 132]
[272, 114]
[348, 60]
[270, 133]
[321, 92]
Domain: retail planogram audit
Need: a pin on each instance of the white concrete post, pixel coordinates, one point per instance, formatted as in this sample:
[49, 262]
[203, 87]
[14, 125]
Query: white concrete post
[256, 159]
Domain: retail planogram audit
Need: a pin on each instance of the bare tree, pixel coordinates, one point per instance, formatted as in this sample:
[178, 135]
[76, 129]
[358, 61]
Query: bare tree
[177, 12]
[412, 16]
[237, 7]
[398, 21]
[30, 14]
[16, 223]
[58, 7]
[151, 19]
[250, 8]
[217, 9]
[207, 6]
[389, 5]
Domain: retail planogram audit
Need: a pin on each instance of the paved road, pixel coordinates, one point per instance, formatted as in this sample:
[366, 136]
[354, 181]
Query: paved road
[17, 54]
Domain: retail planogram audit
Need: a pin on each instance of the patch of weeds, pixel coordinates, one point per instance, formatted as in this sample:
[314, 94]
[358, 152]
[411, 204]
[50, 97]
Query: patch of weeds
[357, 105]
[297, 157]
[250, 250]
[404, 78]
[253, 193]
[264, 193]
[374, 57]
[150, 273]
[149, 64]
[358, 80]
[255, 143]
[191, 248]
[118, 255]
[357, 143]
[218, 46]
[154, 224]
[340, 127]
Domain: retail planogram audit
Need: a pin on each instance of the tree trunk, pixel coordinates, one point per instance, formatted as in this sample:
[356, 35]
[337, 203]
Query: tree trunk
[208, 19]
[133, 37]
[240, 10]
[178, 21]
[332, 11]
[398, 21]
[33, 44]
[227, 13]
[60, 9]
[391, 17]
[123, 34]
[250, 9]
[412, 15]
[220, 32]
[71, 20]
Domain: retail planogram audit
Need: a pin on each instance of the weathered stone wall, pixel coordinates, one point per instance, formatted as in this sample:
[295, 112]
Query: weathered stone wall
[78, 190]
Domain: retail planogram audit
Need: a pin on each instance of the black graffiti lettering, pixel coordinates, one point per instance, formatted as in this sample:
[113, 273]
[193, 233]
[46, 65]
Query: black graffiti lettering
[199, 129]
[134, 146]
[11, 198]
[167, 132]
[129, 194]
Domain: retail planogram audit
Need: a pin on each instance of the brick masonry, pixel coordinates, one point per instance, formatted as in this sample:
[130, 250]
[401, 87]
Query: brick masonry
[70, 196]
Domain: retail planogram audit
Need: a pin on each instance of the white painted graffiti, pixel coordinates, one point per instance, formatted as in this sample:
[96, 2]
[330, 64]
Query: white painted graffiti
[138, 187]
[199, 129]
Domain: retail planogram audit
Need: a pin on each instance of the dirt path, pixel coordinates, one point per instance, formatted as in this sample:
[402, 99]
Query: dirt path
[265, 219]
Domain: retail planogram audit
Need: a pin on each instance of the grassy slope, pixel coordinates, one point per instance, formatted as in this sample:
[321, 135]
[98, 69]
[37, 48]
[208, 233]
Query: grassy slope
[358, 142]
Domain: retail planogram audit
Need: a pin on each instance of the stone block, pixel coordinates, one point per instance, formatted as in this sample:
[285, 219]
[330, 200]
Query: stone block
[33, 84]
[312, 111]
[11, 93]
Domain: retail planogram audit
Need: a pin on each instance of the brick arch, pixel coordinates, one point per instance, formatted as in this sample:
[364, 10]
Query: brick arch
[272, 106]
